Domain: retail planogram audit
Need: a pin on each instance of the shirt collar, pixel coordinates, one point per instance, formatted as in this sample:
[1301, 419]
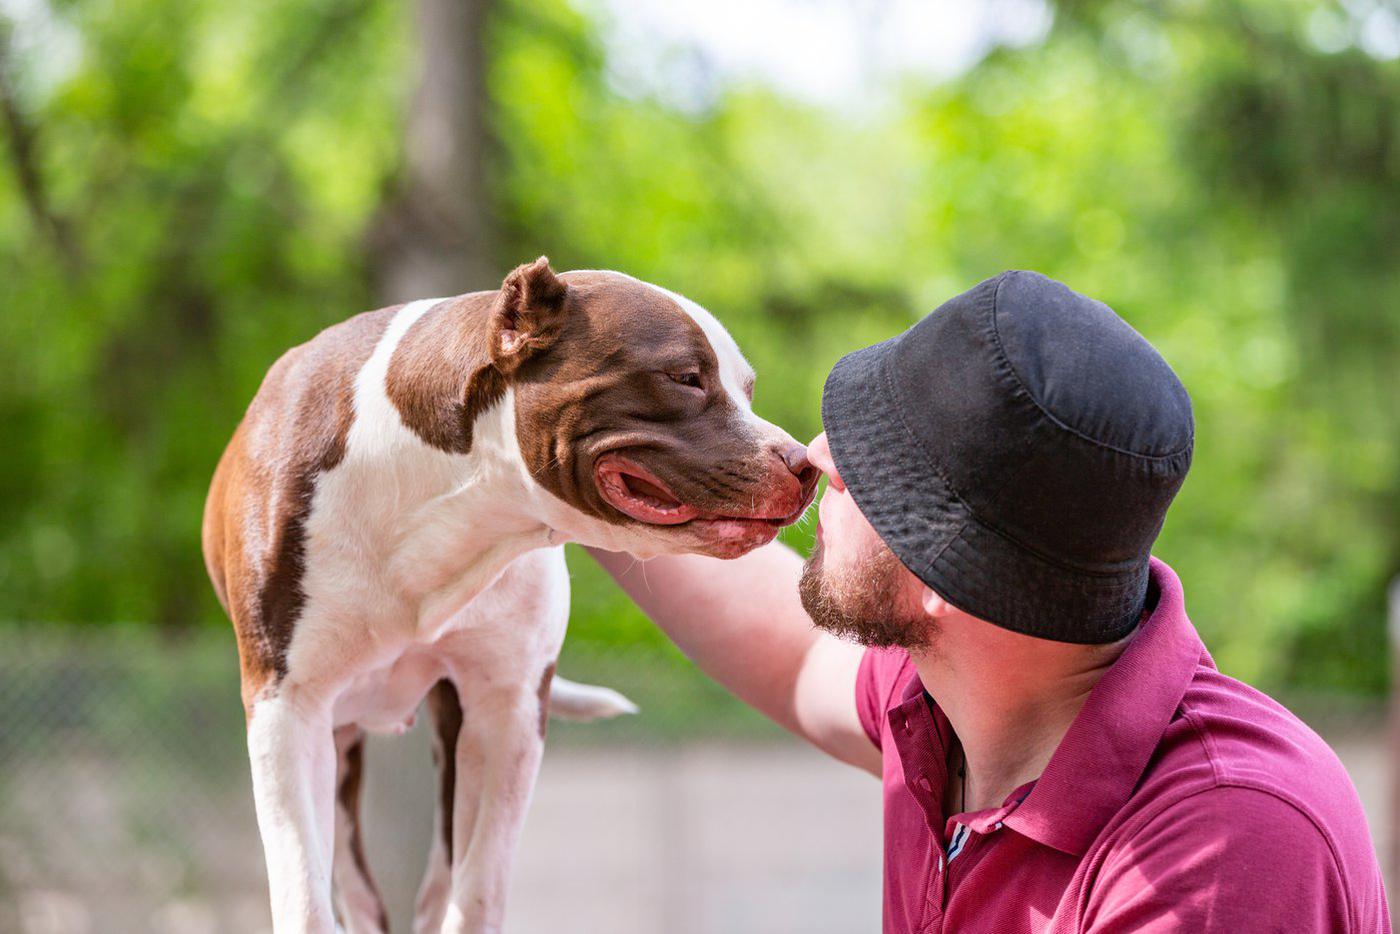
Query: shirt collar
[1098, 763]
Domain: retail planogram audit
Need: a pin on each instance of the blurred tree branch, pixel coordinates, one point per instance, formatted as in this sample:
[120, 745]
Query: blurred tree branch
[23, 145]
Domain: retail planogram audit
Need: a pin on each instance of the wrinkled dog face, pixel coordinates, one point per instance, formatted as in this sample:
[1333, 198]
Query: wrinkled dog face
[633, 408]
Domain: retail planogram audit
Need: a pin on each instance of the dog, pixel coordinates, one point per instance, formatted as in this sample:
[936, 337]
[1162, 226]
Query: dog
[387, 524]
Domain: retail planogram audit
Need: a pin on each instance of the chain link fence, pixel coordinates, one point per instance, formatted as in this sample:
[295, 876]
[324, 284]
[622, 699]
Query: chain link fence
[125, 802]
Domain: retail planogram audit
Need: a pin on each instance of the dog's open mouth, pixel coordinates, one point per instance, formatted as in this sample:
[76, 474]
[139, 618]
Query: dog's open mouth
[637, 492]
[640, 494]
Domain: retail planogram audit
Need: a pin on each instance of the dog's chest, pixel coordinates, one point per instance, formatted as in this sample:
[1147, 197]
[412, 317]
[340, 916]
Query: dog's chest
[398, 520]
[409, 525]
[499, 641]
[422, 563]
[413, 576]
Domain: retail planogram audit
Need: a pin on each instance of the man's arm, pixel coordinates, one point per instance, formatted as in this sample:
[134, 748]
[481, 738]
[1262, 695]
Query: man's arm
[742, 622]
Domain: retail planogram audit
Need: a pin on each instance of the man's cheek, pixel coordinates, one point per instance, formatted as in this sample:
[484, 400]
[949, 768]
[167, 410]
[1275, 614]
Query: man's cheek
[845, 521]
[839, 554]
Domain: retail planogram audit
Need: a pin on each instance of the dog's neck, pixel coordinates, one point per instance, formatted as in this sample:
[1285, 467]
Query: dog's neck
[508, 505]
[494, 511]
[488, 494]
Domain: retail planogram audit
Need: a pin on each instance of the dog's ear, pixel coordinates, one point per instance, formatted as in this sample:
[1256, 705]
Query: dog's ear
[528, 314]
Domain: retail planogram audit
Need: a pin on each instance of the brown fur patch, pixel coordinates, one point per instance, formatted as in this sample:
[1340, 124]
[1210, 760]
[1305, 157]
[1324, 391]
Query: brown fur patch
[254, 531]
[453, 363]
[445, 707]
[543, 692]
[441, 377]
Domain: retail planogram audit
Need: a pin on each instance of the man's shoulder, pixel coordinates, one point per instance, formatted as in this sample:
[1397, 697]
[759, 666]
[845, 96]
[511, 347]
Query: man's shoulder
[1242, 783]
[1210, 816]
[1210, 852]
[1227, 734]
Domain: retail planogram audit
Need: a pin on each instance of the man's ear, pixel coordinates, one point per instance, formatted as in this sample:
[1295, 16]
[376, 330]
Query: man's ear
[528, 314]
[933, 604]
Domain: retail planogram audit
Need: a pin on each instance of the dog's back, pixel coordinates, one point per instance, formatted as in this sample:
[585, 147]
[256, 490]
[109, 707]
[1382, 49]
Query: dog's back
[254, 517]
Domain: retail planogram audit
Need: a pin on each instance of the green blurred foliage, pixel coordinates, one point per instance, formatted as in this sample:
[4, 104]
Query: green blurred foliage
[209, 172]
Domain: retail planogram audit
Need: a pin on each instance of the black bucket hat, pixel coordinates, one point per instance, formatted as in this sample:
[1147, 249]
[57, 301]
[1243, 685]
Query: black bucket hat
[1017, 450]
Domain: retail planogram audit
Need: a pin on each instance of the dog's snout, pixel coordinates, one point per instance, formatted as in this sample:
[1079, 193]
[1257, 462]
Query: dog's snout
[795, 456]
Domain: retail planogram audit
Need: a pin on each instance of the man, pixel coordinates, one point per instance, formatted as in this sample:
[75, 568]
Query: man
[1058, 751]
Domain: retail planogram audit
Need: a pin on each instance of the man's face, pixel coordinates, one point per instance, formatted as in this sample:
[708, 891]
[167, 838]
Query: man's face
[853, 586]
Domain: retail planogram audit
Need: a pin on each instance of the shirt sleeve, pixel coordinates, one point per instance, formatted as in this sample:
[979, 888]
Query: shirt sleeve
[1232, 860]
[881, 673]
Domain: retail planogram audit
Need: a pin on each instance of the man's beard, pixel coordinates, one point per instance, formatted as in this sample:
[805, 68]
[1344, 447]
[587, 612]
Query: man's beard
[865, 603]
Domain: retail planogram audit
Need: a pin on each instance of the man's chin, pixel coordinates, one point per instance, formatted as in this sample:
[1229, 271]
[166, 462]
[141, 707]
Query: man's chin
[864, 608]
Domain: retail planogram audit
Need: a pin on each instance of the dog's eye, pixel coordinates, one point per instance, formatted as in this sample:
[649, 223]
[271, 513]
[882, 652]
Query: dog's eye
[687, 379]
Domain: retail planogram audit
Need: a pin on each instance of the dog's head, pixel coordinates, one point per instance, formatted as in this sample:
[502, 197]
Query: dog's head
[633, 409]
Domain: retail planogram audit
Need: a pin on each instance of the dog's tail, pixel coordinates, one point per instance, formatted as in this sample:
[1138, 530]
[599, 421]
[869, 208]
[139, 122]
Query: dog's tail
[569, 700]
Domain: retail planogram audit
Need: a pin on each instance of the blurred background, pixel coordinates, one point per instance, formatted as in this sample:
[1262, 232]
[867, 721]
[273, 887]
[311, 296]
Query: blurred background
[189, 187]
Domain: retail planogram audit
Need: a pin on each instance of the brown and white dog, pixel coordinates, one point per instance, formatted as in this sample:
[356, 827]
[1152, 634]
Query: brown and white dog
[387, 524]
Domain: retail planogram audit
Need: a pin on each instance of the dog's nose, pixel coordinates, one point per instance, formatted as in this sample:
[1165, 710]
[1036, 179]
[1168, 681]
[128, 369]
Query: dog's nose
[795, 456]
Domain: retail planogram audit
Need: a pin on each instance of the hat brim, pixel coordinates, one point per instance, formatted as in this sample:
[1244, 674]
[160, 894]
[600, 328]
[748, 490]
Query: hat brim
[897, 485]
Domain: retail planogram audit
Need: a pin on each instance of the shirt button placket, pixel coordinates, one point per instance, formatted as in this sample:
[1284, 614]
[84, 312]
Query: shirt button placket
[933, 915]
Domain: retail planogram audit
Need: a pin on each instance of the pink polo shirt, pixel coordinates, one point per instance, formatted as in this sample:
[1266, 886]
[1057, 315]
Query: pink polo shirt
[1179, 800]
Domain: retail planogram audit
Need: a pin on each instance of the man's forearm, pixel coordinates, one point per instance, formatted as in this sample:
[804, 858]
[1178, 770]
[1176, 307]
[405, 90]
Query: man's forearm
[741, 621]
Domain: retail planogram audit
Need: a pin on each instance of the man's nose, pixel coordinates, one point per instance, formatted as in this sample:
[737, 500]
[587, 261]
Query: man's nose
[819, 453]
[795, 456]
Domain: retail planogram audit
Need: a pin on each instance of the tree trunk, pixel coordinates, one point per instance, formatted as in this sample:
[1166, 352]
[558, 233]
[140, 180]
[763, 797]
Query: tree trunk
[434, 236]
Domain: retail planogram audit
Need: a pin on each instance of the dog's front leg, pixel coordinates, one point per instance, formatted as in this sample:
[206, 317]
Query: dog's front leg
[498, 759]
[292, 750]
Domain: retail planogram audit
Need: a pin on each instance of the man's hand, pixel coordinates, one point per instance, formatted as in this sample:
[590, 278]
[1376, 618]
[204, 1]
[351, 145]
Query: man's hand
[742, 622]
